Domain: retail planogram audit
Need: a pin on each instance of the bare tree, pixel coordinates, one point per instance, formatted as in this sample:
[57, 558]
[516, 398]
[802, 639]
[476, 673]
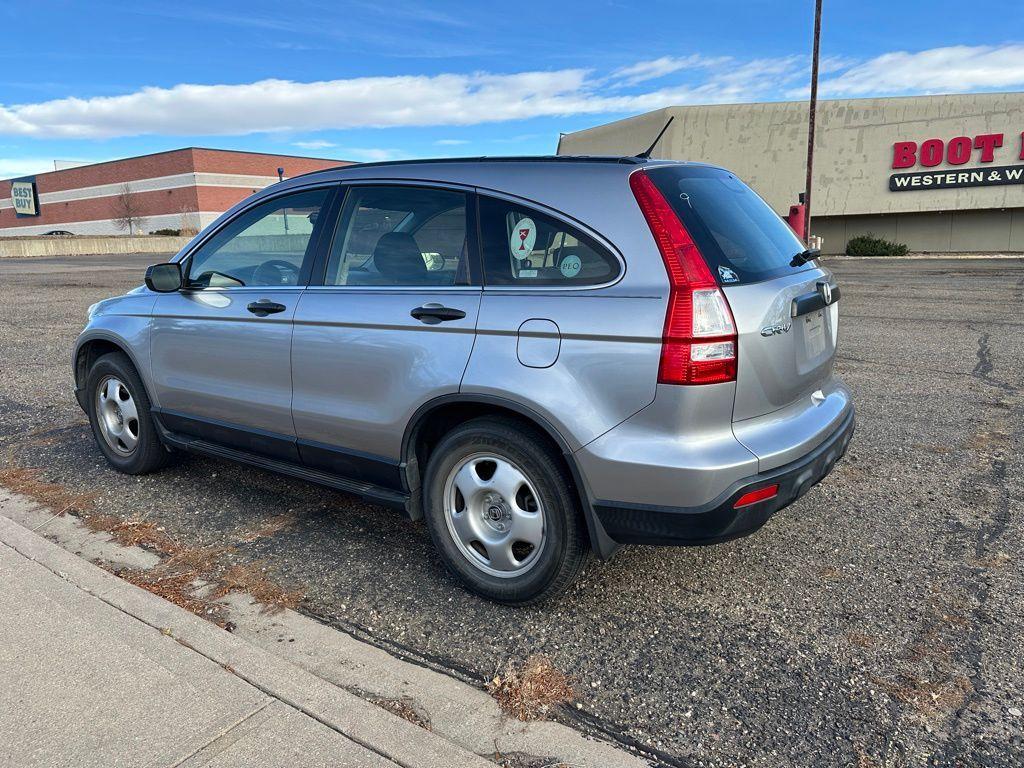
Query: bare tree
[127, 210]
[187, 222]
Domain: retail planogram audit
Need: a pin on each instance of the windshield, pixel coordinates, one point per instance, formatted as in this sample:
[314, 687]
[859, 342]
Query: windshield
[740, 237]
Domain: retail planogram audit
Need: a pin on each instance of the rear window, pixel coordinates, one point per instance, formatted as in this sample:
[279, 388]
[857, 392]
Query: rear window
[742, 239]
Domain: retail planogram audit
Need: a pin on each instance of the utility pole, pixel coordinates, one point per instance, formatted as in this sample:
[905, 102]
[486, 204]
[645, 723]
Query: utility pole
[810, 120]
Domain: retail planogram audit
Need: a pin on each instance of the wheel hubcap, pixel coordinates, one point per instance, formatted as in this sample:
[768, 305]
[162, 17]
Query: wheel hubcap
[117, 416]
[494, 515]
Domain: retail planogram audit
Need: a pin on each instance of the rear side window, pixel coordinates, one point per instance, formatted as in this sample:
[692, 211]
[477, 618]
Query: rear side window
[742, 239]
[524, 247]
[400, 236]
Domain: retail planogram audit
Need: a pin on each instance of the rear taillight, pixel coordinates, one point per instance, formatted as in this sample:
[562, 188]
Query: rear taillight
[698, 343]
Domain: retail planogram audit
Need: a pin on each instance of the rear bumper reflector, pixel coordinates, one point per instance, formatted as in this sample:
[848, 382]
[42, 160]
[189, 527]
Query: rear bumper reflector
[761, 494]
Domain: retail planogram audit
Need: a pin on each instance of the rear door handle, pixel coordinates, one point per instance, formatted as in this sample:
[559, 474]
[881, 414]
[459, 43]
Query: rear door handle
[265, 307]
[436, 313]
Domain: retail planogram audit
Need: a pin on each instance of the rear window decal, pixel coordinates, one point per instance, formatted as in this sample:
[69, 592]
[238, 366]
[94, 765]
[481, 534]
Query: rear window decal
[523, 238]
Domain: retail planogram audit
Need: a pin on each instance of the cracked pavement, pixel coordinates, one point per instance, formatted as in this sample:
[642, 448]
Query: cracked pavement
[876, 622]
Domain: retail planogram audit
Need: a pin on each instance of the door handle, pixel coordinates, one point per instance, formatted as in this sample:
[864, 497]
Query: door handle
[436, 313]
[265, 307]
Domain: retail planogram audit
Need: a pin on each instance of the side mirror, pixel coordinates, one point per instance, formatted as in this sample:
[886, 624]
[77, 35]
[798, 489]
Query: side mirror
[164, 278]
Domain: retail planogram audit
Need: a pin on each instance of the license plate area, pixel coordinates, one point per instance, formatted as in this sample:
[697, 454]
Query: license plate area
[814, 334]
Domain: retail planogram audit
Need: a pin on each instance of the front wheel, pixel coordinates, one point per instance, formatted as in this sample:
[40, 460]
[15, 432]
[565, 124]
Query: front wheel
[502, 513]
[119, 413]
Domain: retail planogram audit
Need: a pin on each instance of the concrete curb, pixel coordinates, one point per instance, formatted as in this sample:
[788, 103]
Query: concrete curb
[369, 726]
[324, 673]
[461, 713]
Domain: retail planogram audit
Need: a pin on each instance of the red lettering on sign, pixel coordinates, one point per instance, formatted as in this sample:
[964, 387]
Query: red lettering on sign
[931, 152]
[904, 154]
[958, 151]
[987, 143]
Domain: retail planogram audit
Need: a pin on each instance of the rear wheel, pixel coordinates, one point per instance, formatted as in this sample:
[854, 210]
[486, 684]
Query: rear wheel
[119, 412]
[501, 512]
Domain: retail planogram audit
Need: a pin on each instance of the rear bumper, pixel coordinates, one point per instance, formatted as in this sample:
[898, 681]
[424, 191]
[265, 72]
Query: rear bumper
[717, 520]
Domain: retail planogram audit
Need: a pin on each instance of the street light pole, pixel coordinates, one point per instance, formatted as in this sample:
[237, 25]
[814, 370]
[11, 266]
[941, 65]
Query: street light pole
[810, 120]
[280, 178]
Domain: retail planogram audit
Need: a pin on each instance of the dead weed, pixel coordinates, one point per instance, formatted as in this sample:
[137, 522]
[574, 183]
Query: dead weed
[26, 481]
[929, 698]
[404, 709]
[860, 639]
[252, 578]
[529, 692]
[177, 588]
[270, 527]
[133, 533]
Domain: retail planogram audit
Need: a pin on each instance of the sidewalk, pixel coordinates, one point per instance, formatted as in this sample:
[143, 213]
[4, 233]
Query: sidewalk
[96, 672]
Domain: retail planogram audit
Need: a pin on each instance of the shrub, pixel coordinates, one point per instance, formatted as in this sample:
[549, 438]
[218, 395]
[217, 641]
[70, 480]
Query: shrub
[174, 232]
[869, 245]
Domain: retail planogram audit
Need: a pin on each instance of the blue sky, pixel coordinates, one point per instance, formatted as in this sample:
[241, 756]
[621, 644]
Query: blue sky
[378, 80]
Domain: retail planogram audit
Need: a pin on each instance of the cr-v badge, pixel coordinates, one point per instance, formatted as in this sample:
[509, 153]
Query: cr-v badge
[775, 330]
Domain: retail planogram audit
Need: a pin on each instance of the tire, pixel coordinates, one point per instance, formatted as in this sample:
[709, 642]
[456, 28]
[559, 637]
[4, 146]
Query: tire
[516, 552]
[121, 418]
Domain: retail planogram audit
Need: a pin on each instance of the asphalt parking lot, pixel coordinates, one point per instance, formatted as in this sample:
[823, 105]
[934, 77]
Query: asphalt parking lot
[877, 622]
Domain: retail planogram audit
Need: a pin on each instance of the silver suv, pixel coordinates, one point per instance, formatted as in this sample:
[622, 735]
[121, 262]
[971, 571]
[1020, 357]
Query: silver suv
[543, 357]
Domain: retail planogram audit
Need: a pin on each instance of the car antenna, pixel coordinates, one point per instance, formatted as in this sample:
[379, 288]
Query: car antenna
[646, 154]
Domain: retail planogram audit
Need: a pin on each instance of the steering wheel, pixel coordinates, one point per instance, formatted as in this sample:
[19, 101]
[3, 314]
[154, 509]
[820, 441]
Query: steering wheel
[285, 273]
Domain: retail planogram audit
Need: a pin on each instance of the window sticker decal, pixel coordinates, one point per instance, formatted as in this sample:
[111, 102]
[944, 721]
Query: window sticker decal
[728, 275]
[570, 266]
[523, 238]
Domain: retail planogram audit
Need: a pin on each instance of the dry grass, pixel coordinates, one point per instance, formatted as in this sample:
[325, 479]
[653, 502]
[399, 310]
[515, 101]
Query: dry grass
[404, 709]
[253, 579]
[133, 533]
[860, 639]
[829, 573]
[940, 449]
[26, 481]
[864, 759]
[929, 698]
[174, 579]
[997, 560]
[988, 440]
[529, 692]
[270, 527]
[177, 588]
[520, 760]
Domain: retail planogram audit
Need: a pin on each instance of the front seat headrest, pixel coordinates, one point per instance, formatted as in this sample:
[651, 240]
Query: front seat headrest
[398, 258]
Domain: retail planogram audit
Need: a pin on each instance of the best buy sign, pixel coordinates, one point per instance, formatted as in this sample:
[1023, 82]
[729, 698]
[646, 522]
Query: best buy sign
[23, 195]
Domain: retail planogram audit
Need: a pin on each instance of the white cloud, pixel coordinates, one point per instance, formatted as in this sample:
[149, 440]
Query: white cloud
[368, 102]
[481, 97]
[314, 144]
[12, 167]
[451, 142]
[955, 68]
[666, 65]
[371, 154]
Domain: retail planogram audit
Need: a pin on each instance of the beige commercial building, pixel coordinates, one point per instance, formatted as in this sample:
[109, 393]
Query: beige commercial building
[938, 173]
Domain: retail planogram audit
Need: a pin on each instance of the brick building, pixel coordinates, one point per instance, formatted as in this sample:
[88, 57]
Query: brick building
[180, 189]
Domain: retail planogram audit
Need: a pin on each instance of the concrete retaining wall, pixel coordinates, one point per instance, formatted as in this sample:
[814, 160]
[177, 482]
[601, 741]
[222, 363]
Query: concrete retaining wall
[28, 247]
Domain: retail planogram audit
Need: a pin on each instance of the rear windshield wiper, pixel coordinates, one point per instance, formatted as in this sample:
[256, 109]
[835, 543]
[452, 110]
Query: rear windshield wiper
[804, 256]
